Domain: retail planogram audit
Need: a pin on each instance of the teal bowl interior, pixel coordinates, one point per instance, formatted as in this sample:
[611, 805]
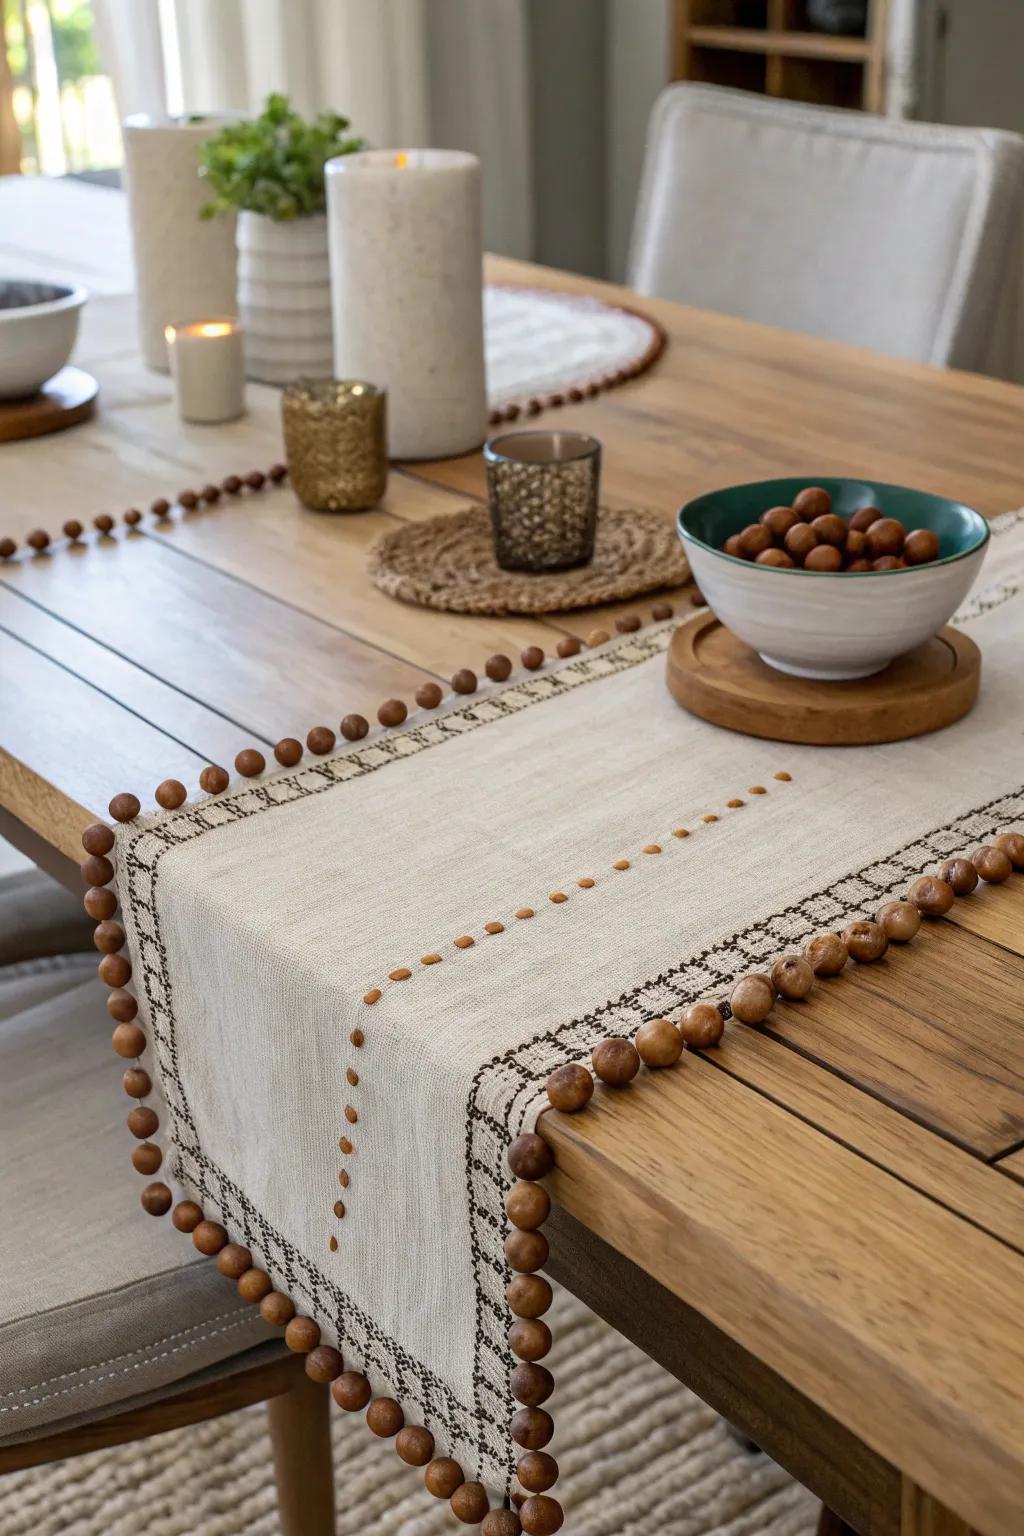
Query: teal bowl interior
[711, 518]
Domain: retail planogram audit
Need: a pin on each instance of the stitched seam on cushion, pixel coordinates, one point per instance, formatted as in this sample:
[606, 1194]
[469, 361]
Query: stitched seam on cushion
[123, 1370]
[97, 1365]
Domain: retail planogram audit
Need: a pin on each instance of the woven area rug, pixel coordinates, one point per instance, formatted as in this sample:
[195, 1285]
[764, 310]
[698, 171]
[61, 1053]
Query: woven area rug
[639, 1455]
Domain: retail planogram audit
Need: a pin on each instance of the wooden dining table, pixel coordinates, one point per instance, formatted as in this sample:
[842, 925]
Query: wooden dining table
[823, 1238]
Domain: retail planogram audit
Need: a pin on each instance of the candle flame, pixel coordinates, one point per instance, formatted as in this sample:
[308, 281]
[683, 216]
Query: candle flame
[215, 328]
[401, 160]
[199, 328]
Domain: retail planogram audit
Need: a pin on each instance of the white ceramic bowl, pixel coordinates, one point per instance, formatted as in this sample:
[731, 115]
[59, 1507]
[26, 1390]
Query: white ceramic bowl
[38, 329]
[826, 625]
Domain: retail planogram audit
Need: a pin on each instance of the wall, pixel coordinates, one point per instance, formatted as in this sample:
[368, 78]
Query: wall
[636, 70]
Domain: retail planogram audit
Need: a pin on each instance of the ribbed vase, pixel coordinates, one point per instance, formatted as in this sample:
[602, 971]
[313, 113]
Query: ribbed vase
[284, 297]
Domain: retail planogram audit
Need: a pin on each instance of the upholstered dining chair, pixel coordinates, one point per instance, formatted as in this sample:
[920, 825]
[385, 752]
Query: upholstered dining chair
[892, 235]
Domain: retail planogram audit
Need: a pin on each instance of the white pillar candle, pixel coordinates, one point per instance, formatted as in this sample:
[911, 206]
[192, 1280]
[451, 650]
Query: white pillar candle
[406, 292]
[208, 368]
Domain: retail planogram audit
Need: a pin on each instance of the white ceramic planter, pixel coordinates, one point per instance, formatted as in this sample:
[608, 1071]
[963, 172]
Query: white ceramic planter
[284, 297]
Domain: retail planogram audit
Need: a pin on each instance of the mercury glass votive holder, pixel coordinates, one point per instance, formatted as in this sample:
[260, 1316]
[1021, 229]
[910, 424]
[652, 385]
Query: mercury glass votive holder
[542, 488]
[335, 437]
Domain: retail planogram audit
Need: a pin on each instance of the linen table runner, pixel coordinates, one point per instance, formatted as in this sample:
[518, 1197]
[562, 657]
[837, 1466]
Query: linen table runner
[259, 921]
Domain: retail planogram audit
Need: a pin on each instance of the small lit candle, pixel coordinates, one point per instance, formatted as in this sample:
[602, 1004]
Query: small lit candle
[208, 369]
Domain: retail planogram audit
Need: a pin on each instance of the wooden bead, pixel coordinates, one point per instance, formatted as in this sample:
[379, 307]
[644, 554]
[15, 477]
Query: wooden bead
[865, 941]
[529, 1338]
[885, 537]
[415, 1445]
[249, 762]
[616, 1061]
[701, 1026]
[124, 807]
[597, 637]
[826, 954]
[1012, 844]
[108, 938]
[392, 712]
[323, 1363]
[569, 645]
[103, 522]
[532, 1428]
[532, 1384]
[136, 1082]
[209, 1237]
[498, 668]
[354, 727]
[351, 1391]
[570, 1088]
[792, 977]
[385, 1418]
[900, 920]
[442, 1477]
[530, 1157]
[160, 507]
[233, 1260]
[659, 1043]
[527, 1206]
[114, 970]
[863, 518]
[526, 1251]
[823, 557]
[253, 1285]
[662, 611]
[528, 1295]
[232, 484]
[752, 999]
[288, 751]
[469, 1503]
[146, 1158]
[277, 473]
[97, 870]
[628, 623]
[187, 1215]
[8, 548]
[188, 499]
[128, 1040]
[776, 557]
[429, 695]
[811, 502]
[156, 1199]
[321, 740]
[98, 838]
[541, 1515]
[920, 546]
[143, 1122]
[277, 1309]
[302, 1334]
[214, 779]
[100, 903]
[532, 657]
[537, 1471]
[210, 493]
[992, 864]
[133, 517]
[931, 896]
[122, 1007]
[464, 681]
[501, 1522]
[751, 541]
[255, 480]
[170, 794]
[38, 540]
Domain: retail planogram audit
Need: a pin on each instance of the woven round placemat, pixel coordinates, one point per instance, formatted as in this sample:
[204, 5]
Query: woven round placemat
[448, 562]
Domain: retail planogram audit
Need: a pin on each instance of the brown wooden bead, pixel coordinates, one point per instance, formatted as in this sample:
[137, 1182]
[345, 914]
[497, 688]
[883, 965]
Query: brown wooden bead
[526, 1251]
[103, 522]
[351, 1391]
[255, 479]
[384, 1417]
[160, 507]
[823, 557]
[885, 536]
[830, 529]
[114, 970]
[277, 1309]
[143, 1122]
[108, 938]
[100, 903]
[501, 1522]
[392, 712]
[532, 1428]
[961, 874]
[701, 1026]
[249, 762]
[662, 611]
[442, 1477]
[570, 1088]
[799, 542]
[354, 727]
[464, 681]
[530, 1157]
[528, 1295]
[38, 540]
[529, 1338]
[659, 1043]
[288, 751]
[209, 1237]
[494, 927]
[124, 807]
[628, 623]
[302, 1334]
[233, 1260]
[253, 1285]
[1012, 844]
[324, 1363]
[776, 557]
[569, 645]
[811, 502]
[596, 637]
[900, 920]
[865, 941]
[188, 499]
[133, 517]
[498, 668]
[429, 695]
[532, 657]
[992, 864]
[277, 473]
[752, 540]
[232, 484]
[170, 794]
[856, 544]
[469, 1503]
[921, 546]
[136, 1083]
[864, 517]
[887, 563]
[210, 493]
[146, 1158]
[214, 779]
[97, 870]
[752, 999]
[616, 1061]
[122, 1007]
[792, 977]
[98, 838]
[187, 1215]
[128, 1040]
[321, 740]
[825, 954]
[537, 1471]
[351, 1115]
[541, 1515]
[156, 1199]
[931, 896]
[8, 547]
[415, 1445]
[532, 1384]
[527, 1205]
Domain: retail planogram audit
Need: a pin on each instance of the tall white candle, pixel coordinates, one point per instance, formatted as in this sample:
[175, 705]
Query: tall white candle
[208, 368]
[406, 292]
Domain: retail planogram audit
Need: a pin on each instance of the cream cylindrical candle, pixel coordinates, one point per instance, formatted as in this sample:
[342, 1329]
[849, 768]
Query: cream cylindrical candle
[407, 292]
[208, 368]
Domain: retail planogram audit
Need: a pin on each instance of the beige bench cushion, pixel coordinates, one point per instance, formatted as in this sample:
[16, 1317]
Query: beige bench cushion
[101, 1306]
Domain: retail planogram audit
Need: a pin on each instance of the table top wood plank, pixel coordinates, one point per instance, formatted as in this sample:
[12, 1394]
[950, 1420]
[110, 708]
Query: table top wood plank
[1013, 1164]
[995, 913]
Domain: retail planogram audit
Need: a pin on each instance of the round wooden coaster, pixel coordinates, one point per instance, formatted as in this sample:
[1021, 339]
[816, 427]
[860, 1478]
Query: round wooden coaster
[716, 676]
[67, 398]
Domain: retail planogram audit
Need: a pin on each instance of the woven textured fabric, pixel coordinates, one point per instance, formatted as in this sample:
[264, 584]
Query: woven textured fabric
[259, 920]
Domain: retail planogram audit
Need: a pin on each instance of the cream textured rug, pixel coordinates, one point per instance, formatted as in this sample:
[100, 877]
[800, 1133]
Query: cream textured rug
[639, 1455]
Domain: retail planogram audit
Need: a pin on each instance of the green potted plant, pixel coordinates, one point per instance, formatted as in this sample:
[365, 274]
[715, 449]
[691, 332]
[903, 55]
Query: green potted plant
[270, 170]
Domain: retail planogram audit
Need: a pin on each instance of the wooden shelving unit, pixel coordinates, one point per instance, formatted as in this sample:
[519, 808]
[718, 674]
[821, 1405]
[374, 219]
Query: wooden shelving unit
[768, 46]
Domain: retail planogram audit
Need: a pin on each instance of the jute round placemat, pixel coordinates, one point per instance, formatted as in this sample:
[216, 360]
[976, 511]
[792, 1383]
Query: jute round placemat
[448, 562]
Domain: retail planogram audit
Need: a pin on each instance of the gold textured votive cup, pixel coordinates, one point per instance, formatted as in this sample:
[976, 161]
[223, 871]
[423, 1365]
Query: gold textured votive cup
[542, 489]
[335, 437]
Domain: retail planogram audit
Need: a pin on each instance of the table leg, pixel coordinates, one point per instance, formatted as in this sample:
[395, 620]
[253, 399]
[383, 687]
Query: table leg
[300, 1431]
[924, 1516]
